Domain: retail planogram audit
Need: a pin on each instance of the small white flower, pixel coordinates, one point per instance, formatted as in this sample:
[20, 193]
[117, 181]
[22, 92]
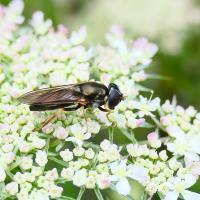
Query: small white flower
[38, 143]
[175, 131]
[78, 151]
[7, 147]
[163, 155]
[40, 26]
[66, 155]
[167, 107]
[4, 128]
[184, 144]
[135, 150]
[180, 187]
[48, 128]
[55, 191]
[153, 140]
[93, 126]
[78, 37]
[153, 154]
[102, 168]
[117, 118]
[146, 107]
[19, 178]
[67, 173]
[39, 194]
[2, 174]
[36, 171]
[25, 147]
[174, 164]
[102, 117]
[52, 175]
[80, 177]
[9, 157]
[102, 156]
[57, 78]
[12, 188]
[41, 158]
[103, 181]
[90, 182]
[119, 168]
[89, 154]
[105, 144]
[61, 133]
[79, 134]
[26, 162]
[190, 111]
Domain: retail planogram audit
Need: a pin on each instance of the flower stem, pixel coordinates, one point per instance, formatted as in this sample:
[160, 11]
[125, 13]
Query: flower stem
[66, 198]
[98, 194]
[158, 123]
[9, 174]
[111, 134]
[60, 162]
[126, 134]
[80, 194]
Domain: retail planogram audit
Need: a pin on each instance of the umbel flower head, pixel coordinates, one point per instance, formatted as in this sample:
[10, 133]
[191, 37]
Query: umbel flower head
[36, 162]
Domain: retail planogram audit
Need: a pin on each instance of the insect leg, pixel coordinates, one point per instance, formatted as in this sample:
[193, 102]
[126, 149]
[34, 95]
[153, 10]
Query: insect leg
[103, 109]
[85, 120]
[51, 118]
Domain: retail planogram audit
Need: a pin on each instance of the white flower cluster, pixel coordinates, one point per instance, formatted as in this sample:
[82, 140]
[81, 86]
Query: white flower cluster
[35, 162]
[167, 175]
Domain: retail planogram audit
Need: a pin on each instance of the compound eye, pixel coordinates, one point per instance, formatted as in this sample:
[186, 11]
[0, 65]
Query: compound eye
[114, 99]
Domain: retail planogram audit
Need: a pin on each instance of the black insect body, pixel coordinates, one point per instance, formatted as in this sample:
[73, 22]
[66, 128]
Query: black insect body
[71, 97]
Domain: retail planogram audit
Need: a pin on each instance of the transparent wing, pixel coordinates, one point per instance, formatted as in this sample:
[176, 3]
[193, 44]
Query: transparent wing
[54, 96]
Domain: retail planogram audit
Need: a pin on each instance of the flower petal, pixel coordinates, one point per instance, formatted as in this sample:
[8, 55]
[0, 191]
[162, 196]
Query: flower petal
[192, 156]
[188, 195]
[176, 132]
[171, 196]
[123, 187]
[190, 180]
[138, 173]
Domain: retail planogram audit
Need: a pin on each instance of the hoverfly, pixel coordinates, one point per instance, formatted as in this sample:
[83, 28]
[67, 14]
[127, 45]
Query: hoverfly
[72, 97]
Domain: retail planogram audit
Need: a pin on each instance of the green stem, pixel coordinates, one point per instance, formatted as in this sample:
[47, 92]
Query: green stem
[126, 134]
[80, 194]
[66, 198]
[15, 164]
[47, 145]
[9, 174]
[133, 138]
[52, 154]
[158, 123]
[90, 144]
[98, 194]
[60, 162]
[111, 134]
[54, 143]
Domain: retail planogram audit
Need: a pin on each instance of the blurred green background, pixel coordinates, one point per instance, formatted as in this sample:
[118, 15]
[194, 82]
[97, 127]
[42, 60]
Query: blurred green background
[173, 24]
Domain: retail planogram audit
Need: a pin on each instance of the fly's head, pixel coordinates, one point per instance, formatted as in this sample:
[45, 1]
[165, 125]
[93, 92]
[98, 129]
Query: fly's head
[115, 96]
